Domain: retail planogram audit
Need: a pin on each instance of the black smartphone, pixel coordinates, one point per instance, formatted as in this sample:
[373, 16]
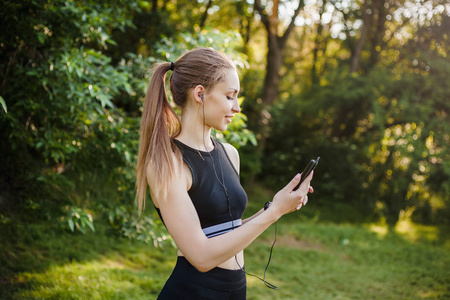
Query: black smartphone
[309, 168]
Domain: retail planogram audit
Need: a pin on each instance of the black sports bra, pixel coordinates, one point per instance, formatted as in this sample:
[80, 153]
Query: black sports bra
[213, 176]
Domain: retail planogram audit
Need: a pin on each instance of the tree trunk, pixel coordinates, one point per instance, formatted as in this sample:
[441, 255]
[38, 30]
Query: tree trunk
[205, 14]
[276, 45]
[154, 6]
[356, 54]
[379, 29]
[318, 41]
[274, 64]
[246, 22]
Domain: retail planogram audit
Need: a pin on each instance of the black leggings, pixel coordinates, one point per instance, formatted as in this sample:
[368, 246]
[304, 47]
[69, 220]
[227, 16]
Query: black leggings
[186, 282]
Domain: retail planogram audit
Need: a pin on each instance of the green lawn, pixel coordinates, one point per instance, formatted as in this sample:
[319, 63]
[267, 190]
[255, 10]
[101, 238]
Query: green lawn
[313, 259]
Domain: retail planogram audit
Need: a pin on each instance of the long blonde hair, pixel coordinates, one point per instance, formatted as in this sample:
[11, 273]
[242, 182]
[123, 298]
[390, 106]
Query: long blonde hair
[160, 123]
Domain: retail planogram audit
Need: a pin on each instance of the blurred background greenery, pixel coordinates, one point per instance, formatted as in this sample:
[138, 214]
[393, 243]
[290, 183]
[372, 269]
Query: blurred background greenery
[362, 84]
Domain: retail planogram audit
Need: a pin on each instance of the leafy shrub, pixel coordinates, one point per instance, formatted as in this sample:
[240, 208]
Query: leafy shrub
[79, 219]
[141, 228]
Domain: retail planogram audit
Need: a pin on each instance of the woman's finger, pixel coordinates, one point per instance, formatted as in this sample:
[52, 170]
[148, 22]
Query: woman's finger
[305, 200]
[304, 187]
[290, 186]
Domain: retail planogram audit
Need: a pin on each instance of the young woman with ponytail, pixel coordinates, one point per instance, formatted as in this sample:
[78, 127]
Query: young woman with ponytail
[194, 179]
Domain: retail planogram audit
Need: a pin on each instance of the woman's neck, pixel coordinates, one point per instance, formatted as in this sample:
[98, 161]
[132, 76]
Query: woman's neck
[194, 133]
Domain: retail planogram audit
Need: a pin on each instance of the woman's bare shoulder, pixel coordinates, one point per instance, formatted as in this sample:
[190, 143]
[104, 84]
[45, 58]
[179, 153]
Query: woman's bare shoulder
[233, 154]
[181, 179]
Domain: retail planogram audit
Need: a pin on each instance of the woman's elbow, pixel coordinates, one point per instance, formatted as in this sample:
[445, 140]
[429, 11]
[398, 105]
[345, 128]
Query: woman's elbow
[203, 269]
[200, 264]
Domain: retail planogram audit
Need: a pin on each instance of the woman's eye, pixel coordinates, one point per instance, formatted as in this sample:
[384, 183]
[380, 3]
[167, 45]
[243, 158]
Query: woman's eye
[230, 98]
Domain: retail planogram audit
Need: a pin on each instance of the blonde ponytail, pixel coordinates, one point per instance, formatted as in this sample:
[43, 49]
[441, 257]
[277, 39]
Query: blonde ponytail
[158, 125]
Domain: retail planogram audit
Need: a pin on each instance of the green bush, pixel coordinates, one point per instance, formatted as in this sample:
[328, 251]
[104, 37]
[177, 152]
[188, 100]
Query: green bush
[71, 105]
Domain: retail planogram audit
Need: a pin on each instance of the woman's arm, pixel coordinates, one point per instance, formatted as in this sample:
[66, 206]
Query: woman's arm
[252, 217]
[182, 222]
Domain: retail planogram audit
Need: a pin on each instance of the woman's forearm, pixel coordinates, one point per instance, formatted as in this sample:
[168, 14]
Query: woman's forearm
[252, 217]
[217, 250]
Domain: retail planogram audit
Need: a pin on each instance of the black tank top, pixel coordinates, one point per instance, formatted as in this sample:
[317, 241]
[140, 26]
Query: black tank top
[207, 192]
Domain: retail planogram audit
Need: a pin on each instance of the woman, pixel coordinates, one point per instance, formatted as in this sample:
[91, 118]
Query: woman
[194, 179]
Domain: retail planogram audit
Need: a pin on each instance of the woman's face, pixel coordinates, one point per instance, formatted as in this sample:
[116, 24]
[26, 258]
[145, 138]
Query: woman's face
[221, 103]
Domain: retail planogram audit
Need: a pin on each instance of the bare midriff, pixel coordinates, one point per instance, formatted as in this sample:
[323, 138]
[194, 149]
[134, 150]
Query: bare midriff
[230, 264]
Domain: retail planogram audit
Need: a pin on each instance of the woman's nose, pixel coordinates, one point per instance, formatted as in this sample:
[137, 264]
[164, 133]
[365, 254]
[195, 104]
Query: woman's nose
[236, 108]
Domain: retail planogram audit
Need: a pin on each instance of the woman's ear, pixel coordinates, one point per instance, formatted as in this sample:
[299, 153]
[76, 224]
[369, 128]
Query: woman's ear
[199, 94]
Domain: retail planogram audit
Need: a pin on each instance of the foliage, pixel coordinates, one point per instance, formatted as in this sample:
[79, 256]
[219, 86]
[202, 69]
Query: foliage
[65, 118]
[370, 129]
[73, 131]
[382, 132]
[79, 219]
[145, 229]
[2, 102]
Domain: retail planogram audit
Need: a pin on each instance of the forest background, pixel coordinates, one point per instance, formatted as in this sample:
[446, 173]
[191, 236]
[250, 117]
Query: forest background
[362, 84]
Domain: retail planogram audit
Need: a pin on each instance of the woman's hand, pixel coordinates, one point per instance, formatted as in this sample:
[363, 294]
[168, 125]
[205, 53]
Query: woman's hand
[287, 200]
[305, 199]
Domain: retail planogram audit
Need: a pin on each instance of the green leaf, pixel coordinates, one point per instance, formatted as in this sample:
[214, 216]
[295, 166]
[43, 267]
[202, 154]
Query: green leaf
[41, 37]
[32, 73]
[91, 226]
[71, 225]
[2, 101]
[105, 101]
[39, 144]
[128, 89]
[82, 229]
[253, 139]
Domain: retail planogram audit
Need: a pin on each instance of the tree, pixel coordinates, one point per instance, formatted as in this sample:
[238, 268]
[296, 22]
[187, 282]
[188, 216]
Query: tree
[276, 44]
[380, 127]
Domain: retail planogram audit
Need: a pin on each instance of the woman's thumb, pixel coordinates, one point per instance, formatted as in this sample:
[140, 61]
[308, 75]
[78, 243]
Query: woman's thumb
[291, 185]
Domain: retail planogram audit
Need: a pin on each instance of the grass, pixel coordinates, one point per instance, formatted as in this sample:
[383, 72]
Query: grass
[329, 261]
[312, 259]
[97, 265]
